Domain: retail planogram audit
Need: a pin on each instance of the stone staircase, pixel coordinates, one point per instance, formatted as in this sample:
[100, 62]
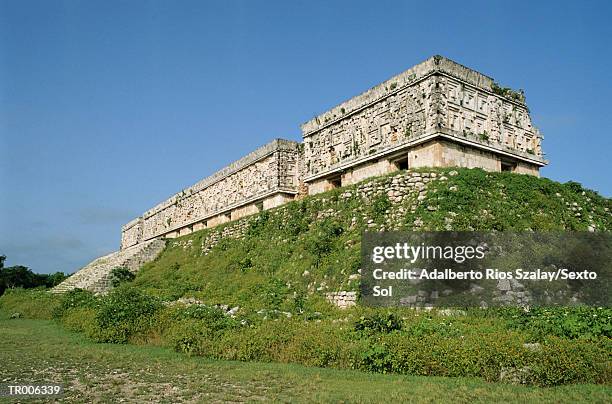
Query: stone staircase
[96, 276]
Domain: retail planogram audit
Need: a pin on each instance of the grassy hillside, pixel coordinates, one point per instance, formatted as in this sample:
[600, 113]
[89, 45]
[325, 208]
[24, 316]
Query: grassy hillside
[311, 246]
[278, 265]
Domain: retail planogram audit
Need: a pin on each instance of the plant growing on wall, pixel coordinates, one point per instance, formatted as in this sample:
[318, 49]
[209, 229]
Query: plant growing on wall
[121, 275]
[506, 92]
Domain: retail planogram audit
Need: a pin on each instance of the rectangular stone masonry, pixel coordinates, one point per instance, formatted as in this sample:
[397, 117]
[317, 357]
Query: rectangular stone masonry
[437, 99]
[264, 178]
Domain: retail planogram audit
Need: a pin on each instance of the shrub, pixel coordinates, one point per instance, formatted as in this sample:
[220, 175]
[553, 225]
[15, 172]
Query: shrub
[321, 241]
[190, 336]
[380, 205]
[322, 344]
[562, 362]
[569, 322]
[376, 358]
[429, 326]
[211, 317]
[432, 355]
[273, 293]
[122, 313]
[74, 299]
[262, 343]
[80, 319]
[378, 322]
[194, 329]
[121, 275]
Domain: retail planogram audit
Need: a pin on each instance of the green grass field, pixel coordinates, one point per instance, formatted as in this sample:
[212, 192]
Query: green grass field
[41, 351]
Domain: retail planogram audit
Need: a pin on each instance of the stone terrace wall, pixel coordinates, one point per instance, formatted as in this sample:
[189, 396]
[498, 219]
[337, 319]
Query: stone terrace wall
[436, 97]
[267, 176]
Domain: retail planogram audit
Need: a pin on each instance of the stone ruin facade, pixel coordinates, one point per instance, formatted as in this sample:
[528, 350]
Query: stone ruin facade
[264, 179]
[436, 114]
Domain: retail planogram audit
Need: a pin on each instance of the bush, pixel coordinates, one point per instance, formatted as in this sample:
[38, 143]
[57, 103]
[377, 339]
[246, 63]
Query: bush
[263, 343]
[190, 336]
[380, 205]
[378, 322]
[562, 362]
[122, 313]
[273, 293]
[81, 319]
[191, 329]
[74, 299]
[319, 344]
[432, 355]
[121, 275]
[580, 322]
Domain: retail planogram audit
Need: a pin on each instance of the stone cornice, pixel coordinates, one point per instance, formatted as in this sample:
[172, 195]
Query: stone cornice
[432, 66]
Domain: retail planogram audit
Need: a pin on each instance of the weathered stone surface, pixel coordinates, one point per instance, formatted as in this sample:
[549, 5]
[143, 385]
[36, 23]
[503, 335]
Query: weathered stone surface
[437, 99]
[515, 375]
[266, 178]
[342, 299]
[96, 276]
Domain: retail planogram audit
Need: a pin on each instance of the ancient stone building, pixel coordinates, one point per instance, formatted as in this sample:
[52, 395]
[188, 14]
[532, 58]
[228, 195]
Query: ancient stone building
[264, 179]
[437, 113]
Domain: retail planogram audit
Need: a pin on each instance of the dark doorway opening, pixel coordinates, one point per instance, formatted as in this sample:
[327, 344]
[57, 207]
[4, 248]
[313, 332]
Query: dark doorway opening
[401, 164]
[508, 166]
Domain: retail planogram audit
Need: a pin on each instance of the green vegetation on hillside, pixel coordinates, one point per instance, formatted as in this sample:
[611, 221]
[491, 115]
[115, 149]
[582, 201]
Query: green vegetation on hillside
[312, 246]
[275, 268]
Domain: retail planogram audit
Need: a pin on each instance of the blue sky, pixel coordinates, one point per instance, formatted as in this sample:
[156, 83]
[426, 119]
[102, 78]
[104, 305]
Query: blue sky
[109, 107]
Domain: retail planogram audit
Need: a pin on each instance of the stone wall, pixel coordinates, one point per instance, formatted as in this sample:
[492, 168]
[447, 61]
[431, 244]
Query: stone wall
[438, 153]
[437, 98]
[263, 179]
[342, 299]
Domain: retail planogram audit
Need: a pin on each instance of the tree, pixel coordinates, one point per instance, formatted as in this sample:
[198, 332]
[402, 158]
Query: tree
[19, 276]
[55, 279]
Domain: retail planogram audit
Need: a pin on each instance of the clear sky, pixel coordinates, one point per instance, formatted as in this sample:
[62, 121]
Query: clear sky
[109, 107]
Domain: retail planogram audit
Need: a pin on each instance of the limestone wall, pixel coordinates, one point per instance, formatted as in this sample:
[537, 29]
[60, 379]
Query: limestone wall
[439, 153]
[435, 98]
[265, 178]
